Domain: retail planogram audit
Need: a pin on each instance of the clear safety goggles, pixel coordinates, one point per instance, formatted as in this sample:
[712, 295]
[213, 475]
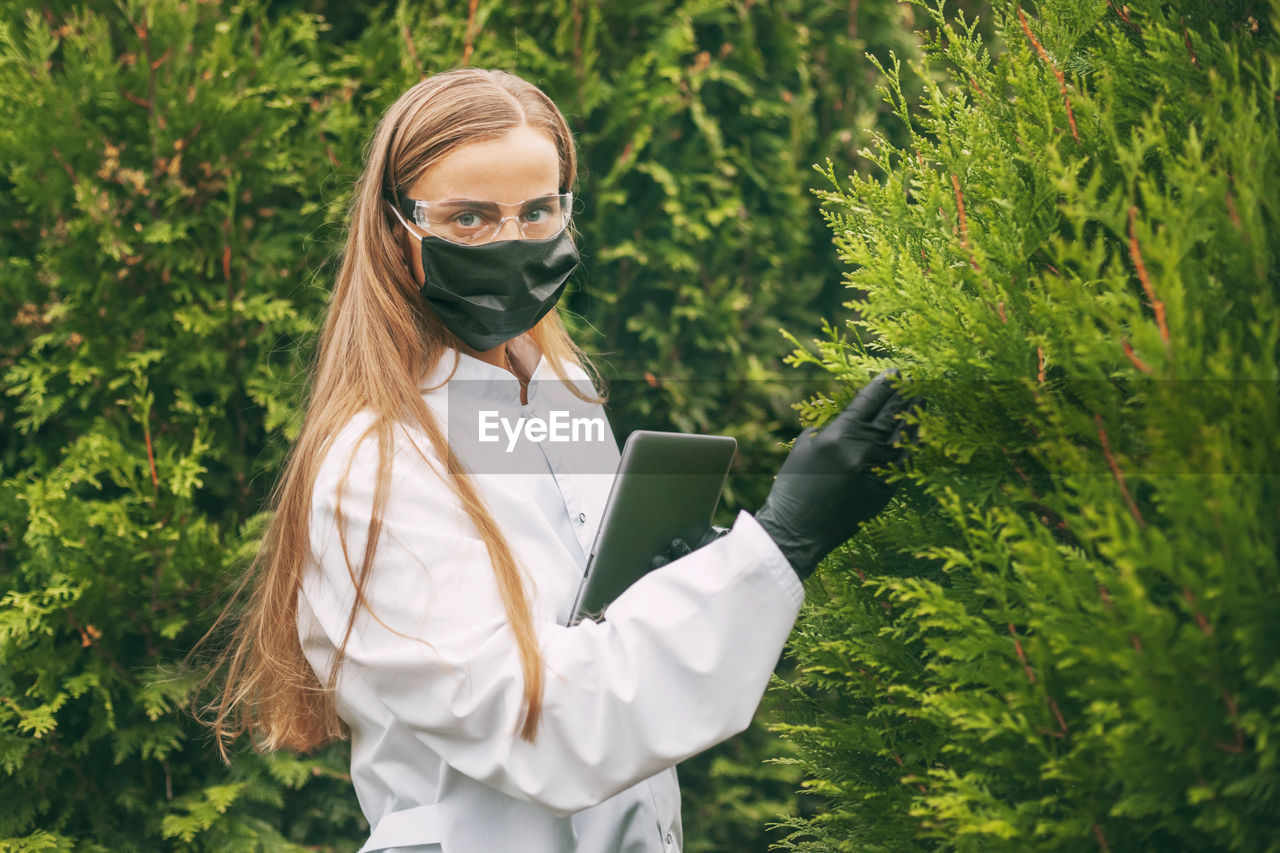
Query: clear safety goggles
[470, 223]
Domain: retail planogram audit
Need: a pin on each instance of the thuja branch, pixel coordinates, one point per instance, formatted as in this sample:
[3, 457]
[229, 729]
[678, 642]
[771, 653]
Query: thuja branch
[964, 222]
[1136, 253]
[1133, 356]
[1117, 473]
[1062, 82]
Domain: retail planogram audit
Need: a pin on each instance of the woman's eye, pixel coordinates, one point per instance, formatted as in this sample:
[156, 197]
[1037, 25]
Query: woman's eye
[537, 214]
[467, 219]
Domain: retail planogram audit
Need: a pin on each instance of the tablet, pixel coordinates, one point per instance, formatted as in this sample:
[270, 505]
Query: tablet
[667, 487]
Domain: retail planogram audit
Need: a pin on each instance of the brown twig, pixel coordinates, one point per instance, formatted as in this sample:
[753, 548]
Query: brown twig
[1136, 253]
[1133, 356]
[1062, 81]
[964, 223]
[142, 102]
[328, 150]
[469, 46]
[1102, 839]
[153, 64]
[158, 62]
[1055, 523]
[1017, 647]
[66, 167]
[1122, 11]
[408, 43]
[183, 143]
[86, 637]
[226, 264]
[1231, 211]
[1117, 473]
[1040, 362]
[1186, 39]
[1203, 623]
[1057, 712]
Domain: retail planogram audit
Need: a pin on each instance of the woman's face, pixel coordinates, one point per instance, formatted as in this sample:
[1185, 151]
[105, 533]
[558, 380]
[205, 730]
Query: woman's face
[520, 165]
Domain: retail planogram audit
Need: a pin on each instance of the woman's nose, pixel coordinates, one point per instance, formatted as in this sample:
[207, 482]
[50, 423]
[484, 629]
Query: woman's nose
[501, 234]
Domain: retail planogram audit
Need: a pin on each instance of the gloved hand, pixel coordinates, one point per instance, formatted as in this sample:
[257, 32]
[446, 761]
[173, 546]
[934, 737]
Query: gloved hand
[678, 547]
[825, 489]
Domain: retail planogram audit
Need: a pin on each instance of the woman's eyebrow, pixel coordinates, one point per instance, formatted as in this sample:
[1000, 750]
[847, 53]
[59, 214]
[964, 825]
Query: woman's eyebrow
[467, 204]
[491, 205]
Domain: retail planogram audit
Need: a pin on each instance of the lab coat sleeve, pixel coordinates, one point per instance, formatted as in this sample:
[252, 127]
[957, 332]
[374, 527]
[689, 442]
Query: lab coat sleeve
[679, 664]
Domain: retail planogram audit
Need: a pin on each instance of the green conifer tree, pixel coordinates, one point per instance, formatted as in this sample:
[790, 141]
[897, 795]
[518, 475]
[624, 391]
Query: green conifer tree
[159, 190]
[1064, 636]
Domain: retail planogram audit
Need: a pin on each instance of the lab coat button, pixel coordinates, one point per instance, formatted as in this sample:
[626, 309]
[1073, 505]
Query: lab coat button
[670, 840]
[582, 517]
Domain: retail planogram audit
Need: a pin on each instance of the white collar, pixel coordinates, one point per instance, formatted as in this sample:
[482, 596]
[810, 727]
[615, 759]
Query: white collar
[482, 379]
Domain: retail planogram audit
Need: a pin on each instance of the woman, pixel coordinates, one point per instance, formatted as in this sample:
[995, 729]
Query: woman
[412, 593]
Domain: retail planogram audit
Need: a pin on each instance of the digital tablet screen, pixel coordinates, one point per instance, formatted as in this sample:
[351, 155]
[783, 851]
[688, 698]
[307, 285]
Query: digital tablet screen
[667, 487]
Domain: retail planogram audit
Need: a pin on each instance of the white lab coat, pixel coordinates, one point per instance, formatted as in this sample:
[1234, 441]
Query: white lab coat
[431, 689]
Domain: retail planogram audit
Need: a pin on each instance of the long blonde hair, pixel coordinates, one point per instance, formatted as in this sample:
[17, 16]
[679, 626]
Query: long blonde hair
[377, 342]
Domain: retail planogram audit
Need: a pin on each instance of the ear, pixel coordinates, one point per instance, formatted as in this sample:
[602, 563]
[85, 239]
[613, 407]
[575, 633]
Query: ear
[409, 248]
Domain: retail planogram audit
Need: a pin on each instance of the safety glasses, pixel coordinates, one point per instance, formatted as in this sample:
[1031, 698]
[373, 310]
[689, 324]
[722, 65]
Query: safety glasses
[470, 223]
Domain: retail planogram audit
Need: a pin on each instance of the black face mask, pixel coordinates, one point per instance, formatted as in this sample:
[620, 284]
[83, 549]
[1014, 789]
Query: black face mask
[493, 292]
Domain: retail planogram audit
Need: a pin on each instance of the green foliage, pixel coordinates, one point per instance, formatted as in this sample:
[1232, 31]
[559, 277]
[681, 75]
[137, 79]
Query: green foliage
[1063, 637]
[159, 189]
[174, 182]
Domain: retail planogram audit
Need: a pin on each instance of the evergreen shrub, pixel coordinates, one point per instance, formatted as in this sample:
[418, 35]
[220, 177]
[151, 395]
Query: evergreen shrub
[1064, 636]
[159, 190]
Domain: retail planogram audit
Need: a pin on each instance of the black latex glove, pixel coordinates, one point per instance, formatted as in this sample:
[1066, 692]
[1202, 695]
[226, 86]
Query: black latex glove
[678, 547]
[825, 489]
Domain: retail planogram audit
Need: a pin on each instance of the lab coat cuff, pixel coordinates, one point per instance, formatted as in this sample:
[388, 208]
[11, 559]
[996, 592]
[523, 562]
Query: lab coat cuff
[775, 561]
